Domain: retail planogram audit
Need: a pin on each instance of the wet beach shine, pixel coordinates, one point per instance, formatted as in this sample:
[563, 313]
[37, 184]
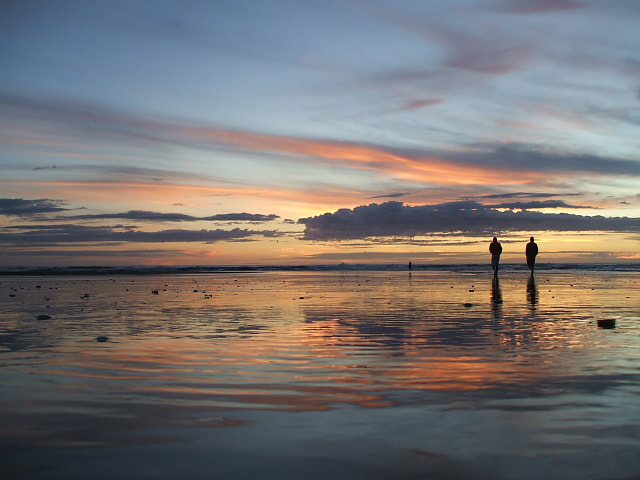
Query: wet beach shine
[321, 374]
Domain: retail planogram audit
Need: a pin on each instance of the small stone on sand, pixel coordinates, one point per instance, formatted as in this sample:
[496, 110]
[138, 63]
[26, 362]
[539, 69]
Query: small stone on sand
[607, 323]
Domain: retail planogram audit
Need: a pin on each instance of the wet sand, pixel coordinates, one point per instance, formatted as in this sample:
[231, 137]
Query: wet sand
[370, 375]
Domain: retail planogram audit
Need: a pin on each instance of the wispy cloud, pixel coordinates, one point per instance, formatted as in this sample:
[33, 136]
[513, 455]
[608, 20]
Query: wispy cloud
[241, 217]
[77, 231]
[537, 6]
[397, 219]
[177, 217]
[417, 104]
[23, 207]
[390, 195]
[42, 235]
[526, 195]
[537, 205]
[486, 163]
[494, 51]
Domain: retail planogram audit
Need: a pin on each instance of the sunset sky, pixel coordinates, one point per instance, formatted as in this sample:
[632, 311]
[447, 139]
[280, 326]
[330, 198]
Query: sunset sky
[318, 131]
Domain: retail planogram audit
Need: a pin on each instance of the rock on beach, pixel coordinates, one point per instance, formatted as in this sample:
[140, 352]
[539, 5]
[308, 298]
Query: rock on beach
[607, 323]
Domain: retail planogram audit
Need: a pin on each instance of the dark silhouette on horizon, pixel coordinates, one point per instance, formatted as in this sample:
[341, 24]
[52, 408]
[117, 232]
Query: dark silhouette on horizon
[495, 249]
[531, 251]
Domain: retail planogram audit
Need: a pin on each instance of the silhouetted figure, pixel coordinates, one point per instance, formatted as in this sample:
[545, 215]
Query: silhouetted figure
[496, 249]
[531, 251]
[410, 265]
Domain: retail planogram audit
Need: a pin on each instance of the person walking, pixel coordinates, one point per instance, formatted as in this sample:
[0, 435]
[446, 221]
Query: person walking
[531, 251]
[495, 249]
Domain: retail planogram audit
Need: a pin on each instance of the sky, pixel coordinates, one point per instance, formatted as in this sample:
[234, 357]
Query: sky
[151, 132]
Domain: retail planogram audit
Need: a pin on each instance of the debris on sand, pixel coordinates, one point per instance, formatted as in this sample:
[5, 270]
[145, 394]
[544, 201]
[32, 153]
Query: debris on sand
[607, 323]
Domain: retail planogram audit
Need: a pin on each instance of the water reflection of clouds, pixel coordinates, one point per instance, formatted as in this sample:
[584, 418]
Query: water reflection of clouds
[258, 370]
[307, 344]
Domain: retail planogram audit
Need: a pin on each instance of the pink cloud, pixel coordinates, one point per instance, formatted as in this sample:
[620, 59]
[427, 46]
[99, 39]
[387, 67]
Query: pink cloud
[416, 104]
[539, 6]
[492, 51]
[489, 59]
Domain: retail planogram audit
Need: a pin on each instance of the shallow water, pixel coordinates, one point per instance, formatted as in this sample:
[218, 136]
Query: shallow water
[321, 374]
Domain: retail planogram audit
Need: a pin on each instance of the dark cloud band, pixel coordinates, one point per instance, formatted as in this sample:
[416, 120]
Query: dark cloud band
[468, 217]
[42, 235]
[23, 207]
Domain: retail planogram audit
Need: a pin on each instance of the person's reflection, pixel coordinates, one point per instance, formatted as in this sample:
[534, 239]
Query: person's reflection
[496, 298]
[532, 292]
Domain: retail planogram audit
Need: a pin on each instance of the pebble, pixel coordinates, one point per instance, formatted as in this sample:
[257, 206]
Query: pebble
[607, 323]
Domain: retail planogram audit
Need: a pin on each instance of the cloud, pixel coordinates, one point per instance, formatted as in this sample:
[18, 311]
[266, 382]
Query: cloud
[416, 104]
[465, 217]
[73, 234]
[482, 164]
[527, 195]
[484, 51]
[490, 59]
[23, 207]
[84, 253]
[421, 103]
[487, 163]
[522, 157]
[537, 6]
[391, 195]
[241, 217]
[82, 118]
[537, 204]
[178, 217]
[137, 215]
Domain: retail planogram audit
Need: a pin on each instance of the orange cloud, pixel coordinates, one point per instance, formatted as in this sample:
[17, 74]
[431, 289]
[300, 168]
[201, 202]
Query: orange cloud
[413, 167]
[308, 202]
[635, 256]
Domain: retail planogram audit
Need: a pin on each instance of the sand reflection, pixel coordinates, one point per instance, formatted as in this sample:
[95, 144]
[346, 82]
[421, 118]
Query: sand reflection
[496, 298]
[532, 292]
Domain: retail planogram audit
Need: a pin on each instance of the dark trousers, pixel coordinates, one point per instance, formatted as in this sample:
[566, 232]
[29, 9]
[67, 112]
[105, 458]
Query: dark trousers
[531, 261]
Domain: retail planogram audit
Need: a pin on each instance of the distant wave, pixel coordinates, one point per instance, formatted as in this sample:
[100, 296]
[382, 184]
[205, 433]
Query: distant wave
[212, 269]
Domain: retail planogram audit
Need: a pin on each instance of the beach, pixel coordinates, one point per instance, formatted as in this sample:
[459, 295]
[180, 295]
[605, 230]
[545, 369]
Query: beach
[446, 374]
